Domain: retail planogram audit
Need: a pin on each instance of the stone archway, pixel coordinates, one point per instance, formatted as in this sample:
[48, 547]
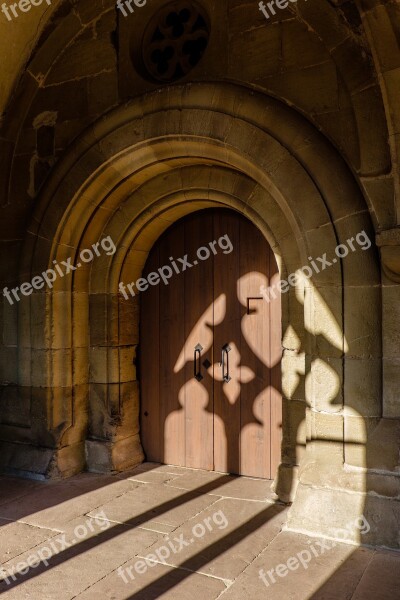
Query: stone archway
[129, 177]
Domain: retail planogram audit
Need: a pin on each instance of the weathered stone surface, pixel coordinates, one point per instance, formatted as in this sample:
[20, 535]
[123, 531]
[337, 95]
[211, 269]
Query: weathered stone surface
[292, 121]
[95, 556]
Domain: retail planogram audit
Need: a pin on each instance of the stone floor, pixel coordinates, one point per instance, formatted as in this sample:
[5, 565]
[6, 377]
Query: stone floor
[205, 536]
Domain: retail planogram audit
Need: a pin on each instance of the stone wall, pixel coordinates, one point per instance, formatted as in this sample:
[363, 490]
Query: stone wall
[294, 123]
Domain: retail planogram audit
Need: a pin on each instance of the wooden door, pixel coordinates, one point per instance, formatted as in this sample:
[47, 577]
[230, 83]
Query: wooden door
[210, 349]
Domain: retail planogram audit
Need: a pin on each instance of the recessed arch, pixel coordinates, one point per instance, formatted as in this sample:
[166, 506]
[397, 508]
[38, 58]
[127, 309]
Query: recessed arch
[140, 169]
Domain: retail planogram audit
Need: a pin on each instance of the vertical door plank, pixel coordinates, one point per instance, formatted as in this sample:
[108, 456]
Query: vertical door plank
[172, 340]
[227, 315]
[198, 310]
[256, 355]
[151, 434]
[276, 375]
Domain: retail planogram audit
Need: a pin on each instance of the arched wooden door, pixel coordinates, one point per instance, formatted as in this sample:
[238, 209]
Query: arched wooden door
[210, 349]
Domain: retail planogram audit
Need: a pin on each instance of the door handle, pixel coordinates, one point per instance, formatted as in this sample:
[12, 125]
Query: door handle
[197, 369]
[225, 363]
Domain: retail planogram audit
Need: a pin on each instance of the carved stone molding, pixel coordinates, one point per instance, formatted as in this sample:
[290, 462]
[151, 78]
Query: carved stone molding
[389, 244]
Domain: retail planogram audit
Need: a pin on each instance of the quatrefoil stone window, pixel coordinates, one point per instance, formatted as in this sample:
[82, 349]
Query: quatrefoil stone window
[175, 40]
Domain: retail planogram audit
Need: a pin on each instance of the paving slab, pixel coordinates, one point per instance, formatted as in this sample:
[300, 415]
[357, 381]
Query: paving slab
[155, 467]
[164, 583]
[303, 581]
[15, 538]
[156, 505]
[347, 576]
[99, 525]
[152, 476]
[223, 539]
[53, 504]
[231, 487]
[13, 487]
[381, 579]
[78, 567]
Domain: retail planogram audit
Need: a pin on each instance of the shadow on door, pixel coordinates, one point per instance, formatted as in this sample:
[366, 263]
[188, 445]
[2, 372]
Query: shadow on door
[211, 348]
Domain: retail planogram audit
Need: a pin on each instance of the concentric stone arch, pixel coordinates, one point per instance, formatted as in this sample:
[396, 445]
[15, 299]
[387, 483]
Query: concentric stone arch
[130, 176]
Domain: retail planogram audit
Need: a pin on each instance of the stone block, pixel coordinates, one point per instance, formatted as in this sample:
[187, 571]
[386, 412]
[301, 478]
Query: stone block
[361, 266]
[391, 388]
[15, 406]
[9, 322]
[357, 431]
[114, 410]
[68, 100]
[294, 431]
[263, 54]
[76, 432]
[383, 515]
[51, 368]
[301, 47]
[80, 322]
[68, 131]
[25, 460]
[391, 321]
[49, 409]
[325, 427]
[61, 305]
[80, 366]
[103, 457]
[323, 241]
[363, 386]
[324, 19]
[104, 365]
[36, 311]
[383, 445]
[293, 375]
[98, 410]
[372, 131]
[22, 99]
[127, 363]
[70, 460]
[25, 366]
[318, 511]
[91, 10]
[84, 58]
[286, 482]
[363, 306]
[323, 320]
[381, 196]
[129, 321]
[313, 89]
[129, 401]
[355, 65]
[8, 365]
[392, 81]
[390, 258]
[102, 93]
[385, 40]
[58, 40]
[98, 317]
